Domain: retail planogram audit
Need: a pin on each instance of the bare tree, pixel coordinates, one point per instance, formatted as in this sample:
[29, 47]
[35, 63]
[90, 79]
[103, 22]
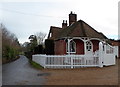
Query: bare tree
[26, 46]
[10, 44]
[40, 37]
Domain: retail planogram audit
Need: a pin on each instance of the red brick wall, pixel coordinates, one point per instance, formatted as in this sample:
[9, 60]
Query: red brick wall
[95, 45]
[79, 47]
[60, 47]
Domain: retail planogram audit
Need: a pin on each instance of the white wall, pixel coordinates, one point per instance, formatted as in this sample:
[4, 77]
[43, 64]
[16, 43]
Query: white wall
[109, 58]
[40, 59]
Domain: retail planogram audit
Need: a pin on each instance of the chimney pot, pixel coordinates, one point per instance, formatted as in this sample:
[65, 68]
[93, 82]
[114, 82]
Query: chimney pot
[64, 24]
[72, 18]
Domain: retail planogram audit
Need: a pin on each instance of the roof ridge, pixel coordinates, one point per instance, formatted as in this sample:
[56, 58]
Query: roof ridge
[90, 26]
[93, 29]
[82, 28]
[55, 27]
[79, 28]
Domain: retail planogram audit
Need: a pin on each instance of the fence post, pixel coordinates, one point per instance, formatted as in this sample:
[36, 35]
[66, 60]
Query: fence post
[71, 62]
[45, 61]
[100, 54]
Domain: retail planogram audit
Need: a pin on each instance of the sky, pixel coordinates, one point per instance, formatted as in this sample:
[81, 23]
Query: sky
[27, 17]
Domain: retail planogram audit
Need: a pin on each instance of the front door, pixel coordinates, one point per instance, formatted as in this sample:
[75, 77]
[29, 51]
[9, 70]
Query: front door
[89, 48]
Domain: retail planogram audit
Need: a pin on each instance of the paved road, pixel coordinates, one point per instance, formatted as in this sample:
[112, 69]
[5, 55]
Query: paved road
[20, 72]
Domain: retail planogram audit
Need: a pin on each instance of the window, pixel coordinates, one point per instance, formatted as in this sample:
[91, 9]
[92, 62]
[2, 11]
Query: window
[72, 46]
[88, 46]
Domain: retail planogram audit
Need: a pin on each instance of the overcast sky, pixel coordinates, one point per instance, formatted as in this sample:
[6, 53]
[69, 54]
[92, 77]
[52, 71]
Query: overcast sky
[28, 17]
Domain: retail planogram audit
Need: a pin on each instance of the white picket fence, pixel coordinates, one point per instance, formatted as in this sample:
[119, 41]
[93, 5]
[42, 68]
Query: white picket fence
[66, 61]
[104, 56]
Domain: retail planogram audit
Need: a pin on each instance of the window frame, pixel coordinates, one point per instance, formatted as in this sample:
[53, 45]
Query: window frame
[89, 46]
[72, 41]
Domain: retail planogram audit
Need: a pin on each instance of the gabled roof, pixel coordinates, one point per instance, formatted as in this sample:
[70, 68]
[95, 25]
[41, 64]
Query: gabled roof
[55, 31]
[77, 29]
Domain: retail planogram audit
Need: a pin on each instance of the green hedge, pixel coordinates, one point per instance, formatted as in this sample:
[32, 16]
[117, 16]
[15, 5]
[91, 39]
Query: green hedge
[9, 54]
[49, 47]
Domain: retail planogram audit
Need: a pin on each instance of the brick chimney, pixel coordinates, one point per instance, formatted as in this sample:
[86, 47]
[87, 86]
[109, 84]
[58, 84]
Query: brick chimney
[64, 24]
[72, 18]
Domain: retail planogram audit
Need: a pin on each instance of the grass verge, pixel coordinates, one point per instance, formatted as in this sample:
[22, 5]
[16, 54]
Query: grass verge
[35, 65]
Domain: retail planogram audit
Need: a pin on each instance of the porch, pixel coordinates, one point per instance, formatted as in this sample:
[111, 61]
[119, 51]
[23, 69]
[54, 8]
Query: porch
[76, 46]
[103, 56]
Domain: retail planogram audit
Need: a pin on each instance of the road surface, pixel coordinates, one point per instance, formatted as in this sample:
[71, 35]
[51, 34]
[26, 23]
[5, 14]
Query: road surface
[20, 72]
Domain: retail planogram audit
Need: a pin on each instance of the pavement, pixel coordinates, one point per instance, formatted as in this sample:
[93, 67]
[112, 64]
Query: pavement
[20, 72]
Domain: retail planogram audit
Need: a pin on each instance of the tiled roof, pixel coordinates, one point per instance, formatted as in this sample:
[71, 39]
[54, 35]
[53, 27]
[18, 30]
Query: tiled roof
[55, 31]
[77, 29]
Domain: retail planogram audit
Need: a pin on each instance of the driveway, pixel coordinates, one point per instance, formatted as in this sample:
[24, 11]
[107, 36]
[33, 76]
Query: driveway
[20, 72]
[84, 76]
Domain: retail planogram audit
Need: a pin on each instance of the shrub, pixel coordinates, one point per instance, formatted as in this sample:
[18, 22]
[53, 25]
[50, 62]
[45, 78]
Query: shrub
[49, 47]
[39, 49]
